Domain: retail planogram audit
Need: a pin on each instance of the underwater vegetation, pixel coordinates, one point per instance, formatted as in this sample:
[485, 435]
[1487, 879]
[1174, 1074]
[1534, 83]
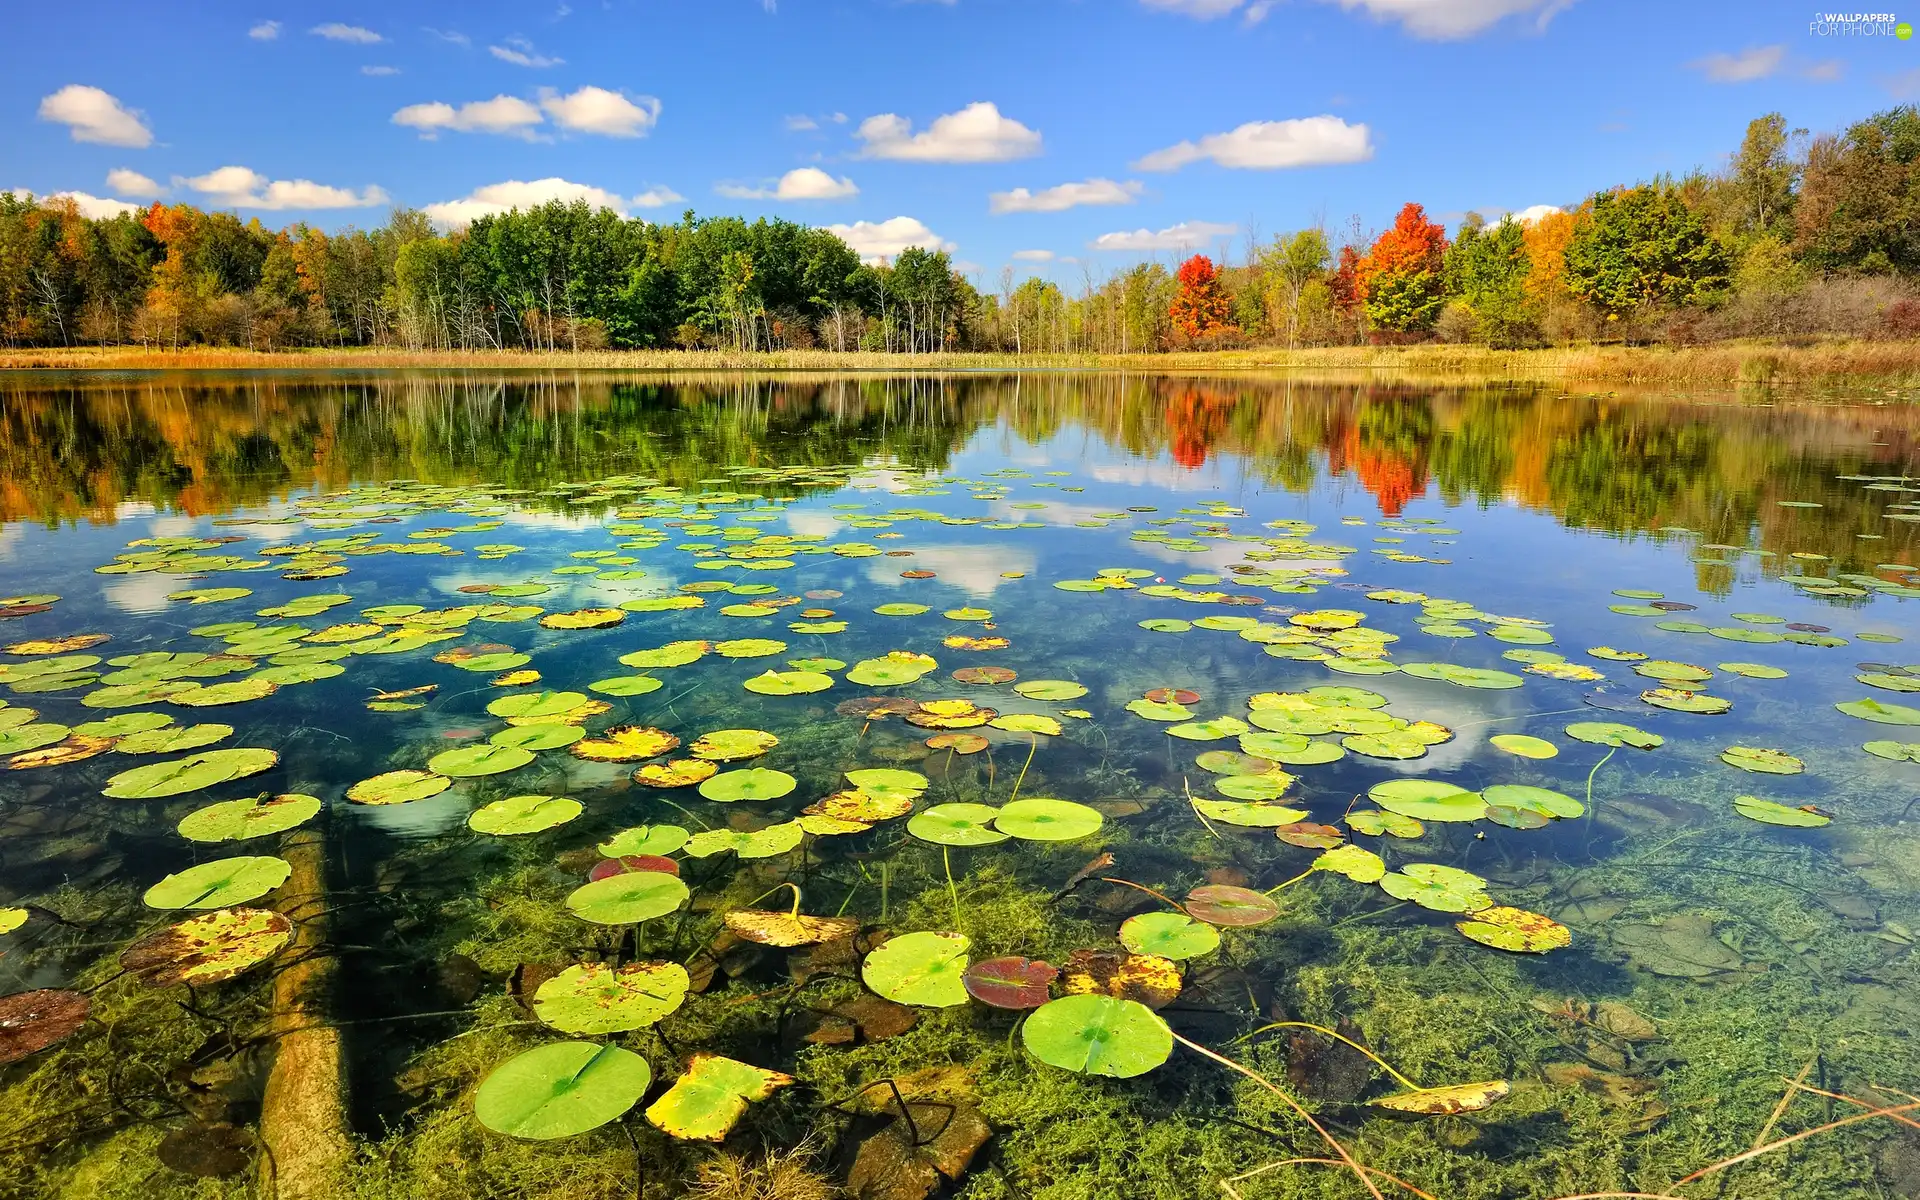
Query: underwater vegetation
[1027, 823]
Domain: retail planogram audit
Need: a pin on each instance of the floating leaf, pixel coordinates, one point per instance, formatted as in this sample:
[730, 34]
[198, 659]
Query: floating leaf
[398, 787]
[1517, 930]
[32, 1021]
[754, 783]
[681, 772]
[1152, 980]
[1355, 862]
[626, 743]
[1229, 906]
[1155, 711]
[1612, 733]
[1895, 751]
[1169, 935]
[733, 745]
[1545, 801]
[586, 618]
[706, 1102]
[219, 884]
[788, 929]
[1098, 1035]
[1686, 702]
[789, 683]
[919, 968]
[1883, 714]
[956, 825]
[1374, 823]
[182, 775]
[759, 843]
[237, 820]
[1445, 1101]
[1524, 745]
[1428, 800]
[538, 737]
[1770, 813]
[598, 999]
[1762, 761]
[626, 685]
[1041, 819]
[896, 669]
[520, 815]
[172, 740]
[644, 840]
[472, 762]
[629, 898]
[1438, 887]
[561, 1089]
[211, 948]
[1010, 983]
[1050, 689]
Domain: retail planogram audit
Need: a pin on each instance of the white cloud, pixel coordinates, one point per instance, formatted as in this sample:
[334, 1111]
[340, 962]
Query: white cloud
[801, 183]
[379, 72]
[1206, 10]
[96, 207]
[1828, 70]
[497, 198]
[1755, 62]
[334, 31]
[876, 241]
[92, 115]
[1033, 255]
[242, 187]
[520, 52]
[132, 183]
[1270, 146]
[977, 133]
[657, 197]
[1065, 196]
[451, 36]
[801, 124]
[265, 31]
[1187, 235]
[1533, 212]
[502, 114]
[1444, 20]
[597, 110]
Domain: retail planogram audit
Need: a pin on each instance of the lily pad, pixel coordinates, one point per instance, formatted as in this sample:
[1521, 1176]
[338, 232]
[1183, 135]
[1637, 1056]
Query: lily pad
[626, 685]
[219, 884]
[1098, 1035]
[172, 740]
[538, 737]
[1428, 800]
[1355, 862]
[536, 704]
[1676, 700]
[1050, 689]
[210, 948]
[628, 898]
[598, 999]
[679, 773]
[625, 743]
[644, 840]
[1517, 930]
[1230, 907]
[706, 1102]
[519, 815]
[561, 1089]
[32, 1021]
[1883, 714]
[1612, 733]
[789, 683]
[1040, 819]
[1770, 813]
[1894, 751]
[956, 825]
[1762, 761]
[1545, 801]
[1524, 745]
[1168, 935]
[733, 745]
[1375, 824]
[179, 776]
[473, 762]
[398, 787]
[759, 843]
[1010, 983]
[753, 783]
[919, 968]
[788, 929]
[237, 820]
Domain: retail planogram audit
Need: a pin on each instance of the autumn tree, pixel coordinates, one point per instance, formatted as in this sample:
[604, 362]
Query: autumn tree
[1201, 309]
[1400, 280]
[1641, 248]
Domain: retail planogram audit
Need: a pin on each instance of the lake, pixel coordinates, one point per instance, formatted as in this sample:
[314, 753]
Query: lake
[1049, 785]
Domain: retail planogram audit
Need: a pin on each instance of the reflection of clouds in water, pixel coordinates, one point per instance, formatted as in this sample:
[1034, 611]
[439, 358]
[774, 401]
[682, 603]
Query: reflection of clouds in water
[418, 818]
[10, 537]
[888, 478]
[1474, 715]
[143, 593]
[133, 510]
[574, 522]
[172, 526]
[814, 524]
[1155, 473]
[264, 533]
[1056, 512]
[973, 569]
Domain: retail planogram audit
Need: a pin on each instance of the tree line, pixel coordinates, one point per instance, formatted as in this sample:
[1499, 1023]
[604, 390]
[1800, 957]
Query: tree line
[1796, 236]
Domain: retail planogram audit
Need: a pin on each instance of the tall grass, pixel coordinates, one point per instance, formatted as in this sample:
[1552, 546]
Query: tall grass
[1894, 363]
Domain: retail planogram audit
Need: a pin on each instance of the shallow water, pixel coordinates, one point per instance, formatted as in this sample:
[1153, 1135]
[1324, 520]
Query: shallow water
[1713, 955]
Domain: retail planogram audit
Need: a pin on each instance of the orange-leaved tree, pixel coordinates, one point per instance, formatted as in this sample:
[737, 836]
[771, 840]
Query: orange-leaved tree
[1201, 309]
[1400, 278]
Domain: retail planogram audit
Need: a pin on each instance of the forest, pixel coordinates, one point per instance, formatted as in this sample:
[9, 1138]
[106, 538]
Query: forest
[1797, 237]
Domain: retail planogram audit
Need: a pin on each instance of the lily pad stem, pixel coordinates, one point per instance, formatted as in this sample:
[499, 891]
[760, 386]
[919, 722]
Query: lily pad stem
[953, 893]
[1032, 747]
[1289, 883]
[1140, 888]
[1380, 1062]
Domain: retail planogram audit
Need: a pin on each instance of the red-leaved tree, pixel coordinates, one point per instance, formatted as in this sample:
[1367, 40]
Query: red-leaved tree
[1201, 309]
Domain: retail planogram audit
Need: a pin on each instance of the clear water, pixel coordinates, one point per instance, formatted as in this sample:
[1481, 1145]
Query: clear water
[1724, 952]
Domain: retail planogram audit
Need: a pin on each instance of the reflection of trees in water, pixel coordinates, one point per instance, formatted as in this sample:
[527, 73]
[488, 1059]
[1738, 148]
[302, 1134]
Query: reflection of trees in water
[73, 447]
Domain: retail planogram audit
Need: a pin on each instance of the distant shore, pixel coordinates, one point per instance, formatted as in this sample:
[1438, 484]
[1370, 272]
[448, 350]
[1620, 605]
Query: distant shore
[1885, 363]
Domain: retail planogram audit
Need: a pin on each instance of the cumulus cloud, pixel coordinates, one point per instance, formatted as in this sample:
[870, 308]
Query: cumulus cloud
[801, 124]
[92, 115]
[977, 133]
[1206, 10]
[503, 114]
[1533, 212]
[379, 72]
[1033, 255]
[1270, 146]
[98, 208]
[132, 183]
[451, 36]
[597, 110]
[1439, 20]
[497, 198]
[242, 187]
[334, 31]
[802, 183]
[520, 52]
[1753, 63]
[657, 197]
[1065, 196]
[265, 31]
[1187, 235]
[877, 241]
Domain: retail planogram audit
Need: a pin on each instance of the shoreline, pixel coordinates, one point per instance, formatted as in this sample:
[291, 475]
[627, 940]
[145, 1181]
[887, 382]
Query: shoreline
[1885, 363]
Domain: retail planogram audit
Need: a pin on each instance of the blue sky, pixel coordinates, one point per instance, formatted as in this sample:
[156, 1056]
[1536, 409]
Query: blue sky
[1047, 135]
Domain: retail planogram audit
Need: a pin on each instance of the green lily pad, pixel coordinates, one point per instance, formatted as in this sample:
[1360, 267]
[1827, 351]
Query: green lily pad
[210, 948]
[119, 725]
[894, 670]
[1375, 823]
[789, 683]
[901, 610]
[656, 840]
[1264, 785]
[597, 999]
[626, 685]
[1355, 862]
[1208, 731]
[472, 762]
[172, 740]
[956, 825]
[1612, 733]
[1428, 800]
[237, 820]
[22, 738]
[709, 1100]
[1468, 677]
[1098, 1035]
[1393, 745]
[1040, 819]
[1762, 761]
[519, 815]
[1168, 934]
[1883, 714]
[1524, 746]
[1545, 801]
[628, 898]
[219, 884]
[1437, 887]
[1050, 689]
[1154, 710]
[398, 787]
[1895, 751]
[1248, 814]
[753, 783]
[1676, 700]
[1770, 813]
[760, 843]
[176, 777]
[538, 737]
[919, 968]
[560, 1090]
[536, 704]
